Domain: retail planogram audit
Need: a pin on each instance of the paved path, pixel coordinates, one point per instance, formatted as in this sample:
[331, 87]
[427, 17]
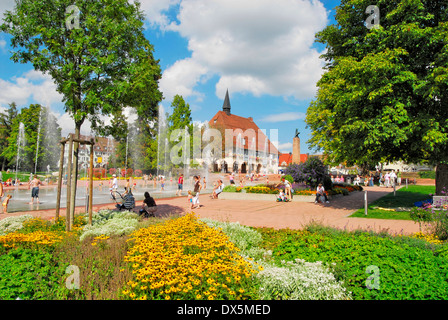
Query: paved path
[293, 215]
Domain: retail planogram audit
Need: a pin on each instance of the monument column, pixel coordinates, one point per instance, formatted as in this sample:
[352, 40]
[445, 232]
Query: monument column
[296, 148]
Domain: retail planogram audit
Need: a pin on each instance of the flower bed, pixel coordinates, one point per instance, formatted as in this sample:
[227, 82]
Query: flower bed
[186, 259]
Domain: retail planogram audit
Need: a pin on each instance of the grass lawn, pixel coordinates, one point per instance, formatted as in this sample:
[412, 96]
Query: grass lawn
[403, 198]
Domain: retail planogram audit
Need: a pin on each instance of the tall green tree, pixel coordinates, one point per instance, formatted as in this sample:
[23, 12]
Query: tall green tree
[41, 136]
[96, 53]
[180, 120]
[383, 96]
[6, 121]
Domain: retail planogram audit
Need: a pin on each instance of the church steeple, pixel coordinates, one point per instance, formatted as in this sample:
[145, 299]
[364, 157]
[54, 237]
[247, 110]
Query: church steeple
[226, 104]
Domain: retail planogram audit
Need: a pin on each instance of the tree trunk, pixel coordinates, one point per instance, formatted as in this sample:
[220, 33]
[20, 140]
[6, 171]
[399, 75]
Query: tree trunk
[74, 180]
[441, 178]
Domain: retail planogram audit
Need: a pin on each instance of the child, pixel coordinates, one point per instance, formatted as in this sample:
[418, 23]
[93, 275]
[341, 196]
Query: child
[281, 196]
[190, 196]
[5, 203]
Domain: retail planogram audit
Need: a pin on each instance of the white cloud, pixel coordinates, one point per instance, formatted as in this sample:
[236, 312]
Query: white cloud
[32, 84]
[181, 78]
[6, 5]
[155, 11]
[282, 117]
[255, 46]
[285, 147]
[2, 45]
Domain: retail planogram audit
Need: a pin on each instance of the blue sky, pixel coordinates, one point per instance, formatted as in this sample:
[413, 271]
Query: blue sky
[262, 51]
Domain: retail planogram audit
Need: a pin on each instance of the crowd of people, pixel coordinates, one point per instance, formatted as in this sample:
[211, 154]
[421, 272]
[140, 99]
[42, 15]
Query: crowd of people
[386, 179]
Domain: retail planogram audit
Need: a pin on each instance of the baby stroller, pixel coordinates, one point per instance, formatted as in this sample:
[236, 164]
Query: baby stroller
[128, 201]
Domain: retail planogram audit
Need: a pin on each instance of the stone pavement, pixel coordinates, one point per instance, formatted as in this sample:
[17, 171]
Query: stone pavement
[278, 215]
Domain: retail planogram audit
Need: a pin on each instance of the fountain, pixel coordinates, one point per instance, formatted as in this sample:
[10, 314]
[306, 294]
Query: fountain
[38, 139]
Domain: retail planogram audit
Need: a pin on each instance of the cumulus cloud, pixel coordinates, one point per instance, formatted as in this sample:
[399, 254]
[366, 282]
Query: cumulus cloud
[254, 46]
[281, 117]
[6, 5]
[31, 85]
[181, 79]
[156, 11]
[285, 147]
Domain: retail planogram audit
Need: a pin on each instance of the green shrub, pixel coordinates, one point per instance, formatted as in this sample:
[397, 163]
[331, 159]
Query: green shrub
[300, 280]
[289, 178]
[30, 274]
[407, 270]
[427, 174]
[109, 222]
[231, 188]
[13, 223]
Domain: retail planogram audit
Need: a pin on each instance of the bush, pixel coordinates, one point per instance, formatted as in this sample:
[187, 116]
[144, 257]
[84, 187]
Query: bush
[232, 188]
[13, 223]
[312, 171]
[289, 178]
[300, 280]
[109, 222]
[138, 173]
[427, 174]
[407, 270]
[30, 274]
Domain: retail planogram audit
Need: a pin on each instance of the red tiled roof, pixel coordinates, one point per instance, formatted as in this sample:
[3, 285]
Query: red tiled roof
[287, 158]
[221, 119]
[284, 157]
[303, 157]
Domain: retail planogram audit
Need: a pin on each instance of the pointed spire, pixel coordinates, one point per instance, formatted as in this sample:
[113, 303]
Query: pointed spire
[226, 104]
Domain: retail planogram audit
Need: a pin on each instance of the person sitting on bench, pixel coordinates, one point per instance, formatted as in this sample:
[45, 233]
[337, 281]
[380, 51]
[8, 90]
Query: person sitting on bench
[217, 190]
[320, 191]
[149, 206]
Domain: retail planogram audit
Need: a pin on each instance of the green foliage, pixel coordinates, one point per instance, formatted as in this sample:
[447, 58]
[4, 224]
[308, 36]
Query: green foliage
[289, 178]
[231, 188]
[109, 222]
[179, 123]
[403, 198]
[409, 268]
[312, 172]
[30, 274]
[47, 136]
[427, 174]
[360, 117]
[99, 66]
[13, 223]
[6, 122]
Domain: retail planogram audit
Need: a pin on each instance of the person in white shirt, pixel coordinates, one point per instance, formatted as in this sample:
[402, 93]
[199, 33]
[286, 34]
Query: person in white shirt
[320, 191]
[392, 178]
[387, 179]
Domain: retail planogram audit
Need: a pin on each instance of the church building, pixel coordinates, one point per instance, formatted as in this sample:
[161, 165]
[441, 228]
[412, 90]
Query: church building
[250, 150]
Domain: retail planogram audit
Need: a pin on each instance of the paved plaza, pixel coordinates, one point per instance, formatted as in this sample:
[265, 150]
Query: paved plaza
[293, 215]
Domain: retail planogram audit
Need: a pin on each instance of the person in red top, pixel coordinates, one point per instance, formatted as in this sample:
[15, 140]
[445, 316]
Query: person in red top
[180, 184]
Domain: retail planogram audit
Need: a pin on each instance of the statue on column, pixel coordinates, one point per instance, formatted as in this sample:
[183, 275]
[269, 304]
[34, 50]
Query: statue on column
[297, 133]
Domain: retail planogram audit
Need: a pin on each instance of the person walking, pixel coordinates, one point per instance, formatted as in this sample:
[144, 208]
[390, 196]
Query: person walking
[197, 187]
[399, 177]
[387, 179]
[35, 189]
[180, 185]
